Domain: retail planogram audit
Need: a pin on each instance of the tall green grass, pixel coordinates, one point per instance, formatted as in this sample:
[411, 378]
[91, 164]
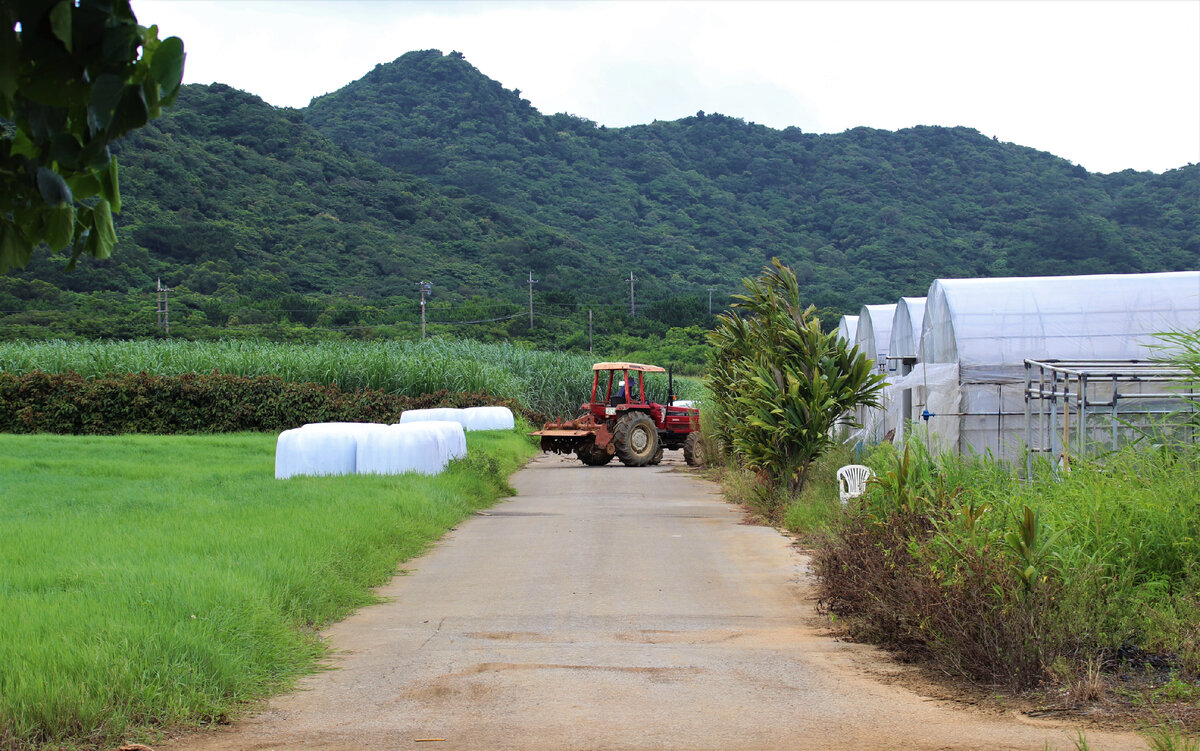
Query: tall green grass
[551, 383]
[1121, 537]
[149, 582]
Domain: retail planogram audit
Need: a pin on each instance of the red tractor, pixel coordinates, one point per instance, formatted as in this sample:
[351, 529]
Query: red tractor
[621, 421]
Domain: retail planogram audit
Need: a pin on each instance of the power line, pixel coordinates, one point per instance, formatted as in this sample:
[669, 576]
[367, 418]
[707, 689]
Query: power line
[482, 320]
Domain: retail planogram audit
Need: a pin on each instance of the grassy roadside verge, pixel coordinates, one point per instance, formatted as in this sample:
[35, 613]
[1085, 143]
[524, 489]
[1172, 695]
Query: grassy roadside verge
[151, 582]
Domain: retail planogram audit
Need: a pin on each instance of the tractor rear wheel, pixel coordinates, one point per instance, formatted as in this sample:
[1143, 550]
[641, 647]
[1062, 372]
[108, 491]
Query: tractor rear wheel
[593, 456]
[693, 451]
[657, 458]
[636, 439]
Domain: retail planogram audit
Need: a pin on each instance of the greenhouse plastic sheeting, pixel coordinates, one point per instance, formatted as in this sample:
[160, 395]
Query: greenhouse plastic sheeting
[934, 389]
[847, 328]
[398, 449]
[874, 331]
[991, 326]
[905, 337]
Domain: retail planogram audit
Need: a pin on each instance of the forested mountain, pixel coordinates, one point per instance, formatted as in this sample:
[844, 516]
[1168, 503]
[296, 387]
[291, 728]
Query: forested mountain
[425, 169]
[864, 215]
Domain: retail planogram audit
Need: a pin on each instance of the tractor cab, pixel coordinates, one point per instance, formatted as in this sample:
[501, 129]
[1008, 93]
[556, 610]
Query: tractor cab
[618, 387]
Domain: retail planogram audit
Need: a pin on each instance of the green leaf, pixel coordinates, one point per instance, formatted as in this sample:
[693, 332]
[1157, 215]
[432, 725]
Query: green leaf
[22, 146]
[106, 95]
[105, 233]
[85, 185]
[60, 226]
[151, 92]
[15, 251]
[95, 155]
[167, 67]
[109, 187]
[44, 121]
[120, 44]
[131, 113]
[84, 217]
[53, 187]
[60, 22]
[64, 149]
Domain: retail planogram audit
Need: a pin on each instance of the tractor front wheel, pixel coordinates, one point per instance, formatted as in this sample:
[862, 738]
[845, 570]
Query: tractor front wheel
[636, 439]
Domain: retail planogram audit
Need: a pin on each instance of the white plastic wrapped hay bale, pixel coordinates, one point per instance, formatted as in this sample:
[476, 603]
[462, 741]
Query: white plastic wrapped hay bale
[398, 449]
[440, 414]
[452, 432]
[343, 428]
[488, 418]
[316, 450]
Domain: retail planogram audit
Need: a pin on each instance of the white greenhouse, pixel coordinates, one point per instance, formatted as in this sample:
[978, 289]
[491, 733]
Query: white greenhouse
[847, 328]
[977, 335]
[905, 339]
[903, 347]
[874, 332]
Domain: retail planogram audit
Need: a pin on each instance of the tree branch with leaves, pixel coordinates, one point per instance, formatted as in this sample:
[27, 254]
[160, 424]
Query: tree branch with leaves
[74, 77]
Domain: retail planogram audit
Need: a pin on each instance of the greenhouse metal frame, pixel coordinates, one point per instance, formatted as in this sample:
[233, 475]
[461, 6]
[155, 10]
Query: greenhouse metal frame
[1075, 406]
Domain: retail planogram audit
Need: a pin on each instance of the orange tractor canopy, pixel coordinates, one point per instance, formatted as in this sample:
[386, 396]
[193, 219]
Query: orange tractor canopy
[622, 421]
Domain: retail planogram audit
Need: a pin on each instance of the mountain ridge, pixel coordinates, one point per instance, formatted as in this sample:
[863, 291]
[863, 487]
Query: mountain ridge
[425, 169]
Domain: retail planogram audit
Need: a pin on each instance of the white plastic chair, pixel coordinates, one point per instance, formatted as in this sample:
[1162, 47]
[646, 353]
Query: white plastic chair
[852, 481]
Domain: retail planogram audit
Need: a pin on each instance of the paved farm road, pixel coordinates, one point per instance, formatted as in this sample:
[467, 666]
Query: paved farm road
[610, 608]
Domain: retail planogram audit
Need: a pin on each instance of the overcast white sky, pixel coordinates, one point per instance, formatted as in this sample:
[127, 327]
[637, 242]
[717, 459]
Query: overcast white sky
[1108, 85]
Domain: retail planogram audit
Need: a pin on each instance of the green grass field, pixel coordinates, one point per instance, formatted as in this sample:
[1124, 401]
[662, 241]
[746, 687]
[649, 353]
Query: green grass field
[157, 582]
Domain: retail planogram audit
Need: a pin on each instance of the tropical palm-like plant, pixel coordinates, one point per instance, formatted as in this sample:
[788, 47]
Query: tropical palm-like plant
[779, 383]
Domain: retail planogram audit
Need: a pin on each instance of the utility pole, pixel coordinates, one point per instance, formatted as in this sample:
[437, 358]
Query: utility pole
[589, 329]
[532, 282]
[426, 288]
[164, 312]
[631, 308]
[710, 291]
